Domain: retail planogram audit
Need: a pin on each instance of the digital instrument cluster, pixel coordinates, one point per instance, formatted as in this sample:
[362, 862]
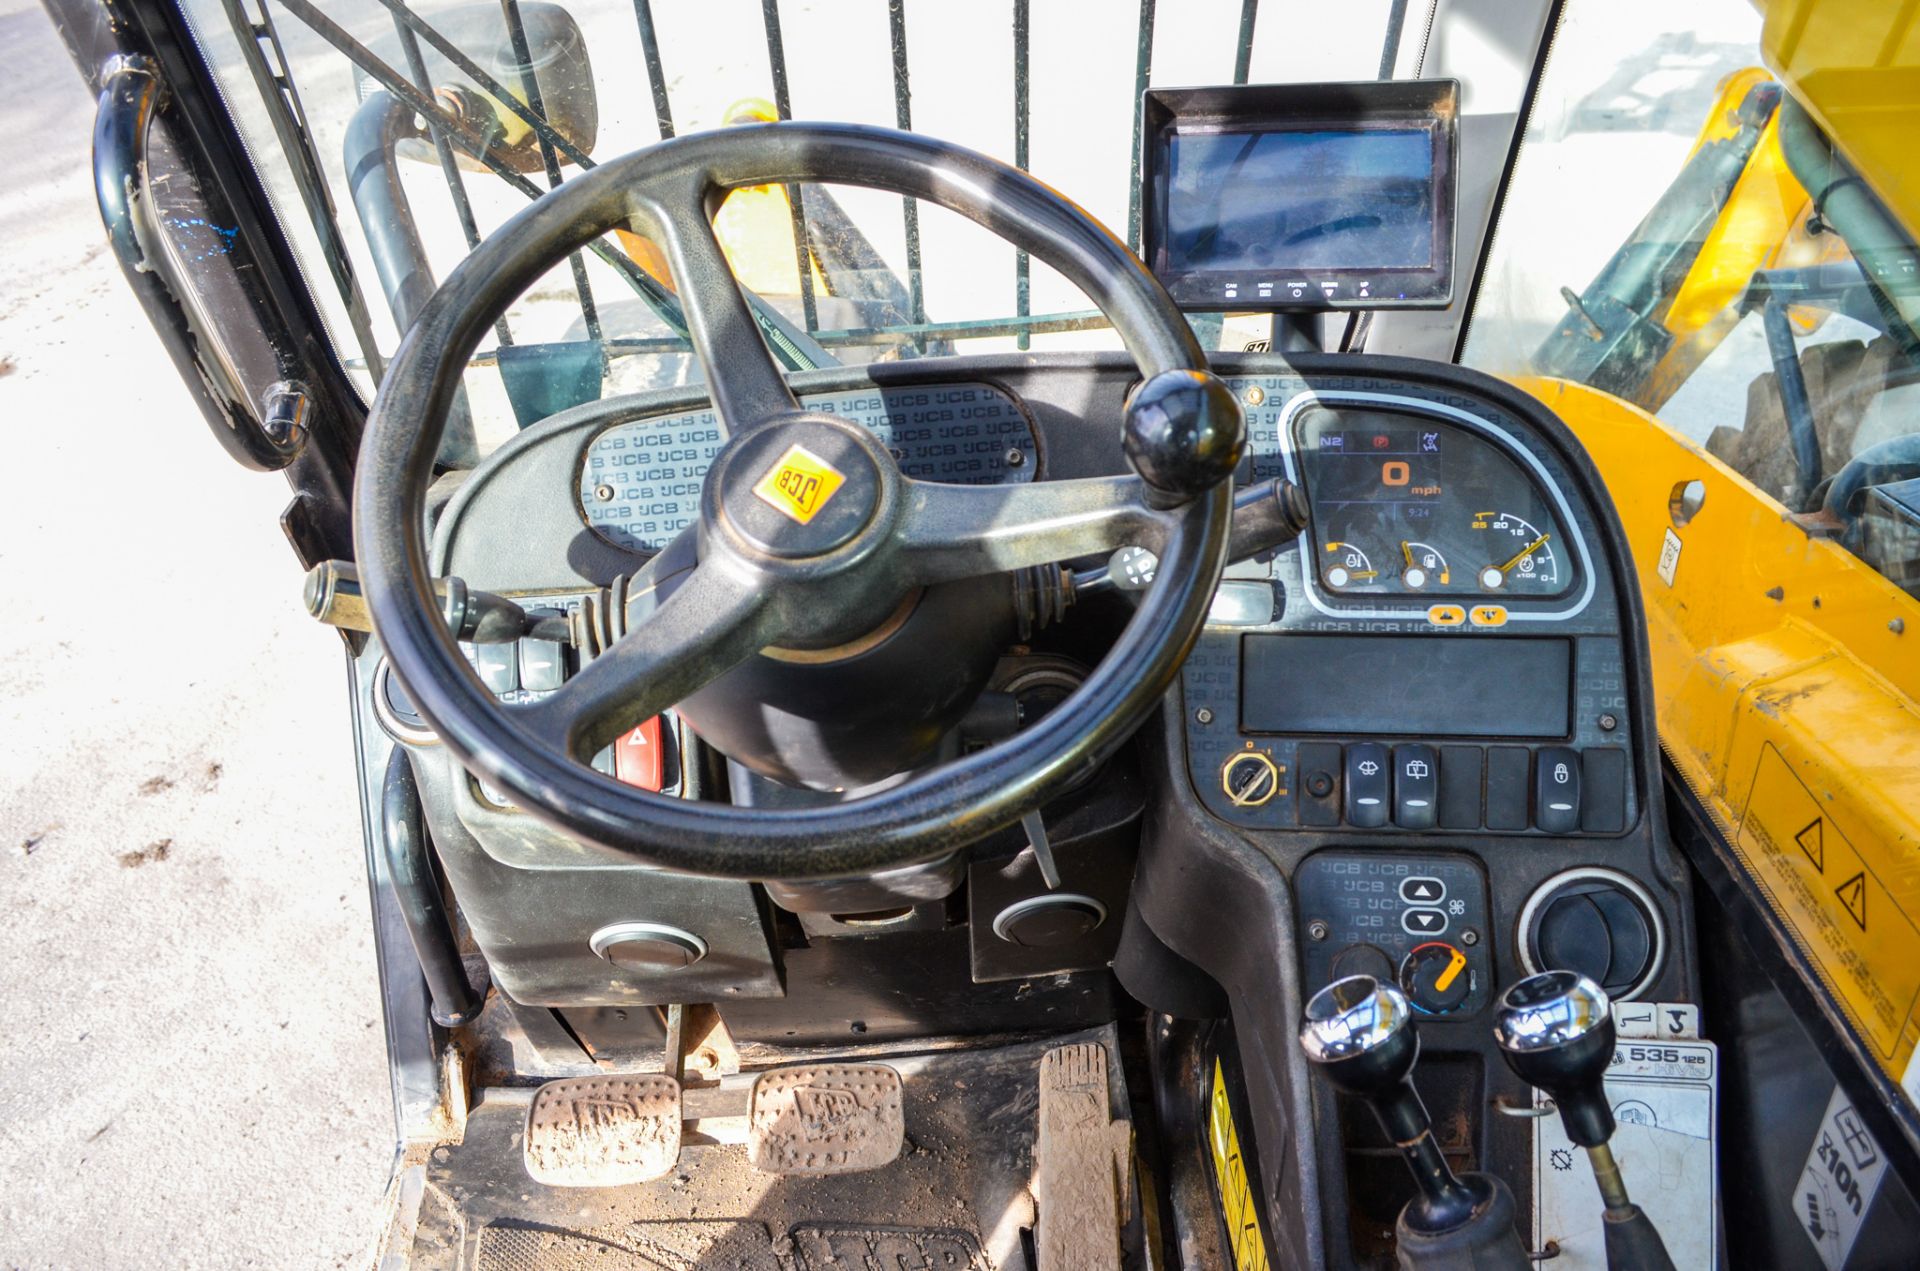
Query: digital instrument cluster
[1409, 505]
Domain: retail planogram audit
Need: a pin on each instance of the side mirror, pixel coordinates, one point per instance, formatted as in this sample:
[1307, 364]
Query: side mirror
[561, 70]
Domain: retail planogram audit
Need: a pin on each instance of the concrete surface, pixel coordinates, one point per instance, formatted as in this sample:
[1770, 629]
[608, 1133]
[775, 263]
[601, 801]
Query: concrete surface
[192, 1071]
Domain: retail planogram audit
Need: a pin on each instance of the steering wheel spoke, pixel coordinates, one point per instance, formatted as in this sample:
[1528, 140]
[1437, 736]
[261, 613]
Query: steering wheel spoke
[710, 624]
[748, 386]
[959, 531]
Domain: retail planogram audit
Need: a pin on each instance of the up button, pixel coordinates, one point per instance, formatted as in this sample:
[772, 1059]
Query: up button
[1422, 891]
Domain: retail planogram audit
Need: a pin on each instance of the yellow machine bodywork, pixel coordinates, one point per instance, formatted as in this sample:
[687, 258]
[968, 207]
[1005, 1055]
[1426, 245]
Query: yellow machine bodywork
[1787, 677]
[1786, 670]
[1855, 66]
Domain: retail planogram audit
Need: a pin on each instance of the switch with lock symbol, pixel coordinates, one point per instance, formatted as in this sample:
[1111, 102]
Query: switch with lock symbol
[1556, 789]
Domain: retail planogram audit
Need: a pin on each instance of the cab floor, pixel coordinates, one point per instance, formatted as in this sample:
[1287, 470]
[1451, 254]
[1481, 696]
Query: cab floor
[957, 1198]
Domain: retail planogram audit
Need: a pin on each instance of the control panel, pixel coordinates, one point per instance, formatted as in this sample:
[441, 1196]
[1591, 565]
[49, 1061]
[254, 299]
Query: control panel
[1441, 650]
[1417, 921]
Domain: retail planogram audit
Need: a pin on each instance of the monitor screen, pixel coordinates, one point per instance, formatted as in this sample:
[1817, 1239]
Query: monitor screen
[1305, 200]
[1272, 197]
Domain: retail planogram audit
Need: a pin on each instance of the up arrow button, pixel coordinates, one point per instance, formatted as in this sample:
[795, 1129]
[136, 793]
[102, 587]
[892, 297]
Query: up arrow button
[1422, 891]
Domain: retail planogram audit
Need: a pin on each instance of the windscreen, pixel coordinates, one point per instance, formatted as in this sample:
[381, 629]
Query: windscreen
[404, 132]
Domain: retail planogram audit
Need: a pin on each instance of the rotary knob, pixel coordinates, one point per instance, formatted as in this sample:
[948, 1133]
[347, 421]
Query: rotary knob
[1435, 978]
[1249, 778]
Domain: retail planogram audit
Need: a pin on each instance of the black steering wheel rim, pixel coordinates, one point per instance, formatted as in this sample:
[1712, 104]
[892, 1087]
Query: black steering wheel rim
[928, 815]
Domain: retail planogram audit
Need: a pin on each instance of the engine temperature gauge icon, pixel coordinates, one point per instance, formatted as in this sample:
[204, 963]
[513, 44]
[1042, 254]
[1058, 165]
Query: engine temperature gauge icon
[1348, 566]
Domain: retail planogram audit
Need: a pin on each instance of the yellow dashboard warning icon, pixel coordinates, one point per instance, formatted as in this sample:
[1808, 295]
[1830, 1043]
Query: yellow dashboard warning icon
[800, 484]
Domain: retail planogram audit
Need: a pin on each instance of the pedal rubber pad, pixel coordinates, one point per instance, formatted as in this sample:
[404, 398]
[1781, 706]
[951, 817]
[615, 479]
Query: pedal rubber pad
[1083, 1162]
[825, 1119]
[603, 1131]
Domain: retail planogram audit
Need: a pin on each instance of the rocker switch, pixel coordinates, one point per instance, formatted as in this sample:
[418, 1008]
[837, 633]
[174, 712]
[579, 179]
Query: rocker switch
[1416, 787]
[637, 759]
[1367, 780]
[542, 665]
[1556, 789]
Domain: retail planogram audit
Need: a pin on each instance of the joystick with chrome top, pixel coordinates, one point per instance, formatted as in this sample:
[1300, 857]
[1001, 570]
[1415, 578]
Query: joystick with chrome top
[1359, 1032]
[1556, 1031]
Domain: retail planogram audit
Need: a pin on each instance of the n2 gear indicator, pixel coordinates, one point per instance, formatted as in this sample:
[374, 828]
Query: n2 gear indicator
[1408, 505]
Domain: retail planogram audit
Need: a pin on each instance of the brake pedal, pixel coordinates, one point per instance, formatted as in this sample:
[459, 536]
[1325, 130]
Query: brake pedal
[603, 1131]
[825, 1119]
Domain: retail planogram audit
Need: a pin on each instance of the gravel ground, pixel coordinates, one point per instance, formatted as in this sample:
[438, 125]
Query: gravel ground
[192, 1071]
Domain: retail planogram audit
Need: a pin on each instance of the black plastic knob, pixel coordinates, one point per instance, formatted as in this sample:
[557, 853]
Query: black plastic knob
[1435, 977]
[1184, 433]
[1556, 1031]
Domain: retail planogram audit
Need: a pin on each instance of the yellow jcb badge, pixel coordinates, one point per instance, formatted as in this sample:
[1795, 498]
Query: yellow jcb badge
[800, 484]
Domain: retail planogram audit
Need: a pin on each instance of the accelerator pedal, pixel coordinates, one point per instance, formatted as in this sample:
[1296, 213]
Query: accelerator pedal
[603, 1131]
[825, 1119]
[1083, 1163]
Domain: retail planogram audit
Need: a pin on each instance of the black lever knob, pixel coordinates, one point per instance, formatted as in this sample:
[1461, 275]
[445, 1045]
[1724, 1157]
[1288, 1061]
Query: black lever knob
[1359, 1032]
[1184, 433]
[1556, 1030]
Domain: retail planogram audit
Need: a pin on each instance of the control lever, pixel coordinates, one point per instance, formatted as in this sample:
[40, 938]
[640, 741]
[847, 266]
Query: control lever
[1264, 517]
[1556, 1031]
[1359, 1032]
[332, 595]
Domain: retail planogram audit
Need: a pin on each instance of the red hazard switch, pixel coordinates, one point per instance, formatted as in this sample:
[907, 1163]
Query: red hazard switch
[637, 759]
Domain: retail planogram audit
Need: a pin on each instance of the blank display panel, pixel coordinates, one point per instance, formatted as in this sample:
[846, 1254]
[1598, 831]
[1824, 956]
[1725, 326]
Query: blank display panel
[1425, 686]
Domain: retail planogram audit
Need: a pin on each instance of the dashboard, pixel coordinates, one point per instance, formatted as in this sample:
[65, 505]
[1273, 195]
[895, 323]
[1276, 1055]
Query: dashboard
[1441, 663]
[1446, 611]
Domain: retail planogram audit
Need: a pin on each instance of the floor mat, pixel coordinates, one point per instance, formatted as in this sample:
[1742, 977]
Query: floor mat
[956, 1199]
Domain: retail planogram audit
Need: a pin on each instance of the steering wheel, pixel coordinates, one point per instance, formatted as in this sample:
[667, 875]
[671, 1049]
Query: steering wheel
[808, 535]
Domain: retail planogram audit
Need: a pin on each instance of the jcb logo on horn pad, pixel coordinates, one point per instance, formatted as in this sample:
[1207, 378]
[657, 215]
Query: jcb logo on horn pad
[800, 484]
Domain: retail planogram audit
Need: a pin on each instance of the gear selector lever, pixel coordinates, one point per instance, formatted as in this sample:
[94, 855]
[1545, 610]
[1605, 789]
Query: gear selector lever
[1556, 1031]
[1359, 1032]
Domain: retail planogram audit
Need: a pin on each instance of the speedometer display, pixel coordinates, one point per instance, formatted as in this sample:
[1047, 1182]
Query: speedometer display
[1407, 505]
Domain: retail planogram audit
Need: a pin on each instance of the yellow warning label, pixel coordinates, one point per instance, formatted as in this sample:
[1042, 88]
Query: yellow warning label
[800, 484]
[1866, 948]
[1237, 1201]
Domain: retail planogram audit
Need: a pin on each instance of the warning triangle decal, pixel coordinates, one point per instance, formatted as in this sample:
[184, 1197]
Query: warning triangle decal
[1813, 841]
[1853, 894]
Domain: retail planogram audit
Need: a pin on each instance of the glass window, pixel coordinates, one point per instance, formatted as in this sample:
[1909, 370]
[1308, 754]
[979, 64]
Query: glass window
[1680, 234]
[880, 280]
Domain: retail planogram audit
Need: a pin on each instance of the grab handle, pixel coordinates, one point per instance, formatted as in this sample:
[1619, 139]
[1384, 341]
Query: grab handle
[267, 437]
